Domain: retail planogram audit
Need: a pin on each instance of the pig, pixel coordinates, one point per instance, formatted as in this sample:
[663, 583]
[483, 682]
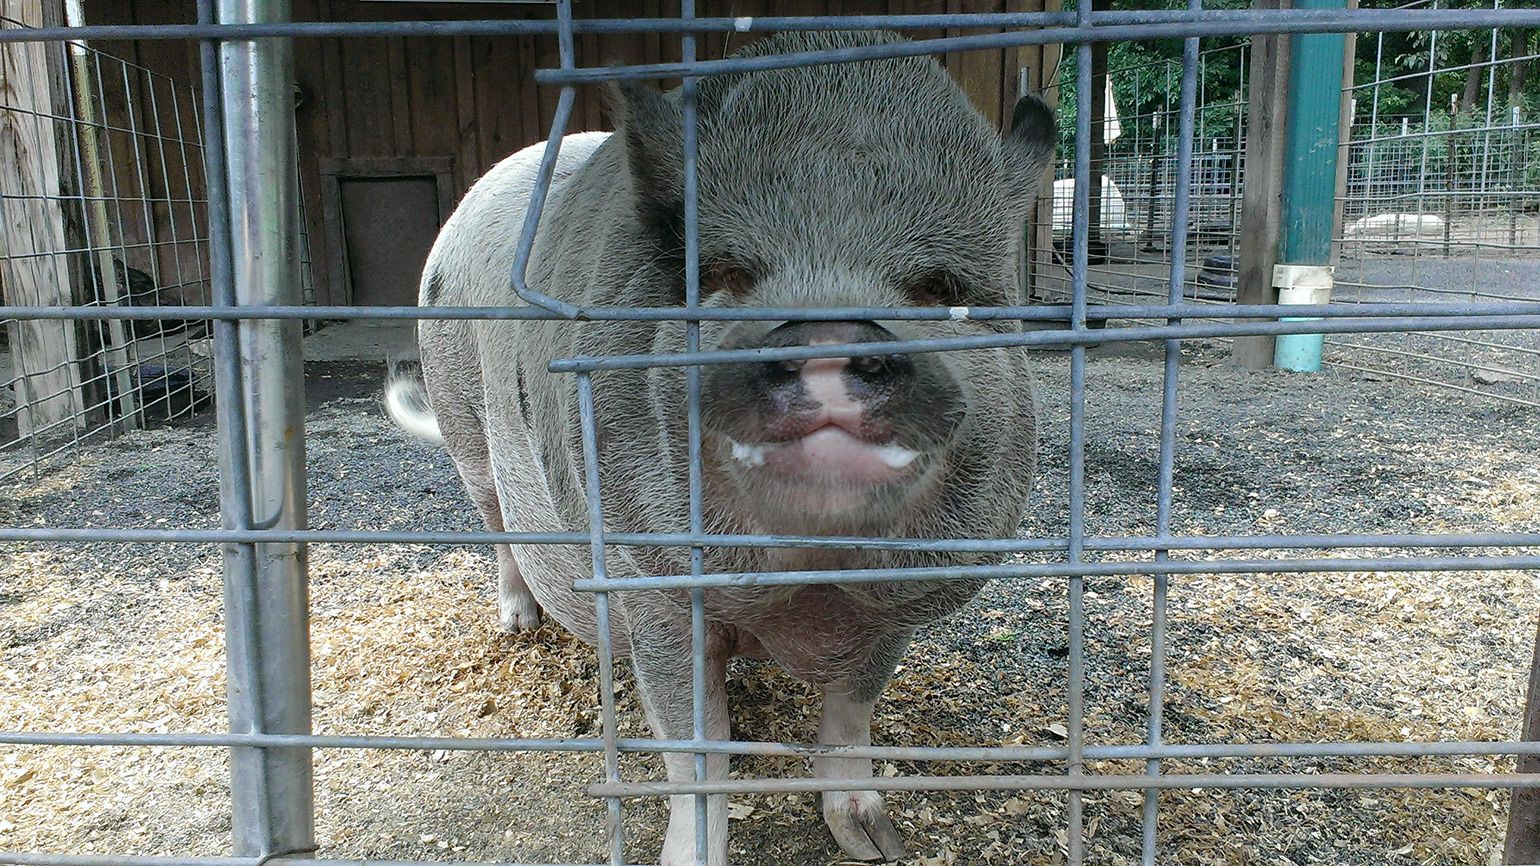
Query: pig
[864, 184]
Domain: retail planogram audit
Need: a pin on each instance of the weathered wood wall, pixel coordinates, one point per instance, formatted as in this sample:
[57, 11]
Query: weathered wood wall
[473, 99]
[35, 270]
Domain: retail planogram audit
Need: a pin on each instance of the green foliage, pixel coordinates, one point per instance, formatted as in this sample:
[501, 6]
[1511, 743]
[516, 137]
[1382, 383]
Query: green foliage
[1146, 76]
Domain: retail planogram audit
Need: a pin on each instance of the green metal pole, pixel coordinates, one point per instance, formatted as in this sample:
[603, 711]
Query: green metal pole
[1309, 182]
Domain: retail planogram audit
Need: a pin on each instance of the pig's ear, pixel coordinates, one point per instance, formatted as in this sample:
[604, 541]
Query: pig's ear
[1029, 146]
[652, 128]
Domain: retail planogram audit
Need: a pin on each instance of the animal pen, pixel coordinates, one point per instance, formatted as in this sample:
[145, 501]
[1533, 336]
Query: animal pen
[193, 196]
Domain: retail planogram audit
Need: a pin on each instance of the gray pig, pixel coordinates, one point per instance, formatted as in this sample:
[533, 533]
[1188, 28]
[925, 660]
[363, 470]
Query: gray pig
[866, 184]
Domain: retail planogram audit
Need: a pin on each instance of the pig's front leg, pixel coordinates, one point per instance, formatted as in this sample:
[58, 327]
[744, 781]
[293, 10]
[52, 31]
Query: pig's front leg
[660, 642]
[857, 818]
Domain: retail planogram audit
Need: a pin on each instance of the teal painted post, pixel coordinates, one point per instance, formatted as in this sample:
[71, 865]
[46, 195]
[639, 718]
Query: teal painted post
[1309, 173]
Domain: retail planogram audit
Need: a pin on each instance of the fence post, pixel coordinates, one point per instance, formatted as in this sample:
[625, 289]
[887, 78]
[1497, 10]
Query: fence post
[1267, 100]
[1309, 178]
[1523, 843]
[262, 427]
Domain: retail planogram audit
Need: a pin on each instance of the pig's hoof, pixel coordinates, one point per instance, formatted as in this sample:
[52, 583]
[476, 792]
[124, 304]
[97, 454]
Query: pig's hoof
[518, 613]
[861, 826]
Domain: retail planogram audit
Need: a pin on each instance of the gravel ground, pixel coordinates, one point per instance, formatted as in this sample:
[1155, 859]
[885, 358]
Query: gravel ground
[127, 637]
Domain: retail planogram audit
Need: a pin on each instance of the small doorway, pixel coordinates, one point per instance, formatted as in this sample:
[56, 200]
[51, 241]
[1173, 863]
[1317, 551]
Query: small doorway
[382, 217]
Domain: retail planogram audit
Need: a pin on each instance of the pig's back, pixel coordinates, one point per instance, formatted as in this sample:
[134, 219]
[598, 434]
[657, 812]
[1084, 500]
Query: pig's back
[470, 260]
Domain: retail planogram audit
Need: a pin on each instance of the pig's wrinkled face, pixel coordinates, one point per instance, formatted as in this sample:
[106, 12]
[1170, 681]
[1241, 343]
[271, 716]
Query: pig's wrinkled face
[860, 185]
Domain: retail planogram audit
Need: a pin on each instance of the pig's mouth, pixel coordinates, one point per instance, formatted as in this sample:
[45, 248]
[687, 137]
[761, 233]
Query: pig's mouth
[828, 455]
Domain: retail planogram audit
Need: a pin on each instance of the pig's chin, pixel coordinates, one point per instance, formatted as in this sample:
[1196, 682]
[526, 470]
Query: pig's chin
[826, 473]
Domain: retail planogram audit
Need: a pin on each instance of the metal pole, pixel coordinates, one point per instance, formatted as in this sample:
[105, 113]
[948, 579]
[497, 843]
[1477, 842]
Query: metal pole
[267, 616]
[1309, 182]
[1523, 842]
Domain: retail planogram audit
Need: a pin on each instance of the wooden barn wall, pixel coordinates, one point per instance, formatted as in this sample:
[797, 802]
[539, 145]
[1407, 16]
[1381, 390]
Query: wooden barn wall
[472, 100]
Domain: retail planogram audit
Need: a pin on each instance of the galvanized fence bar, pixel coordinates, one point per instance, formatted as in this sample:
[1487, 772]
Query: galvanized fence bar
[1430, 312]
[973, 754]
[1080, 240]
[262, 501]
[1068, 27]
[1127, 543]
[266, 615]
[1181, 210]
[605, 642]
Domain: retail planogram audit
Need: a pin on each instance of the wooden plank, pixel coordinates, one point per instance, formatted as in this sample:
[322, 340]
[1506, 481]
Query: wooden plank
[48, 394]
[952, 60]
[396, 86]
[468, 164]
[430, 97]
[176, 260]
[982, 73]
[367, 86]
[1261, 198]
[546, 55]
[320, 131]
[588, 97]
[332, 94]
[507, 111]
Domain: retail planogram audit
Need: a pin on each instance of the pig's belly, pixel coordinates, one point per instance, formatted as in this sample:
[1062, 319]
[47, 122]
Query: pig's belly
[818, 633]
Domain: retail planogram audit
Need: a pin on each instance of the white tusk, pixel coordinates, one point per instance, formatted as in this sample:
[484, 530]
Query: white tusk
[896, 456]
[750, 455]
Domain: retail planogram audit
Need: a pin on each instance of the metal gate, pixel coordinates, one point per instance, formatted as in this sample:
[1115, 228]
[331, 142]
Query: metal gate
[257, 314]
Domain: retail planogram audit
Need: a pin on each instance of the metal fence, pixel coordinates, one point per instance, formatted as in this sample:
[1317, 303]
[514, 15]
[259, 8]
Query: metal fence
[1139, 169]
[129, 205]
[1436, 205]
[111, 211]
[1443, 203]
[256, 312]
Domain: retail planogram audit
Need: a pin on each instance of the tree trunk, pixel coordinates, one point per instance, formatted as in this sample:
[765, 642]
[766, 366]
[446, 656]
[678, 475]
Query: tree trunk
[1473, 76]
[1518, 71]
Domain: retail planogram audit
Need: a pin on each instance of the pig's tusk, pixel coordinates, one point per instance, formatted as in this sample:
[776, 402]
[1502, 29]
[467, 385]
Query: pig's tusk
[896, 456]
[751, 455]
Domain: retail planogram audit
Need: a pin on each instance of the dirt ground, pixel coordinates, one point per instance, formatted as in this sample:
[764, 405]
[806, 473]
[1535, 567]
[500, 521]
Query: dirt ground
[128, 638]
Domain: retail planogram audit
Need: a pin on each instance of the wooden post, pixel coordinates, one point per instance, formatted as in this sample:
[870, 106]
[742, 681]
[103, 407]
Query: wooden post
[1523, 843]
[1449, 176]
[34, 271]
[99, 234]
[1261, 199]
[1040, 61]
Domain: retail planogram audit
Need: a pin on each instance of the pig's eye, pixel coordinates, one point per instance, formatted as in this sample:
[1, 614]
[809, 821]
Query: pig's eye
[936, 290]
[725, 277]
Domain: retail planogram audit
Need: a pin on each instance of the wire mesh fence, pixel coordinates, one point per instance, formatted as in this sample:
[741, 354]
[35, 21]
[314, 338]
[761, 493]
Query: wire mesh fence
[1137, 162]
[108, 209]
[670, 547]
[118, 194]
[1435, 205]
[1442, 201]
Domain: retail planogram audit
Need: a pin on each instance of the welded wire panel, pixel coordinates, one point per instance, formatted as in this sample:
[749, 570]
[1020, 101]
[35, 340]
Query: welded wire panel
[1144, 257]
[1442, 201]
[118, 220]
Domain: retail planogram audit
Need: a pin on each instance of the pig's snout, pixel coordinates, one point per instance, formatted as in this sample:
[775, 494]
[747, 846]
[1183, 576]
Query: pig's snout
[855, 423]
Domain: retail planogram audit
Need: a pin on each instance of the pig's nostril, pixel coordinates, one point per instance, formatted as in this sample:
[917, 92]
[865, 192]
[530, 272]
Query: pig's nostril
[789, 366]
